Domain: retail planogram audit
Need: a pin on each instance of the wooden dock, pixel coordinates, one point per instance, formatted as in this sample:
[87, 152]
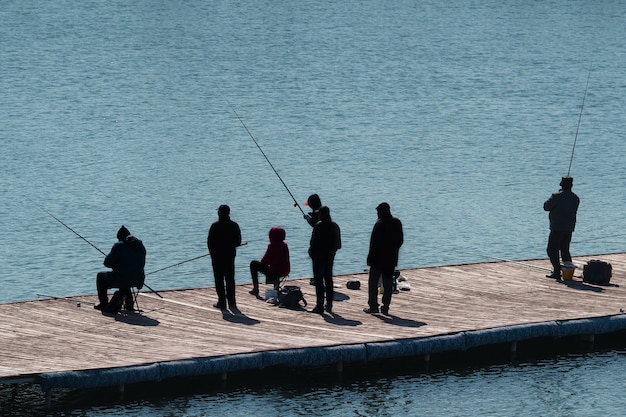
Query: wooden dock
[64, 342]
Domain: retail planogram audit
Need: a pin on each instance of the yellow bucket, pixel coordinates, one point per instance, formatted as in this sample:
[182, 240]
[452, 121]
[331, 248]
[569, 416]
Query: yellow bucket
[568, 273]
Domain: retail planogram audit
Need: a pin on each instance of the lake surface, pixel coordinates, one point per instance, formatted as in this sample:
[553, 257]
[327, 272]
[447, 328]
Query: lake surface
[463, 115]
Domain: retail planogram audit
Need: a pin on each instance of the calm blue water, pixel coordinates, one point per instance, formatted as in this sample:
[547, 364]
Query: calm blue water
[461, 114]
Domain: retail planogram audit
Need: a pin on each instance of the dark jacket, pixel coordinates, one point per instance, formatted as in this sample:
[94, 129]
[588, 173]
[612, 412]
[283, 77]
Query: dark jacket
[385, 242]
[563, 207]
[325, 240]
[276, 255]
[127, 260]
[224, 237]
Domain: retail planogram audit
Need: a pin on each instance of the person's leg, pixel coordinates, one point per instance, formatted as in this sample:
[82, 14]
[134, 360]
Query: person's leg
[128, 298]
[328, 283]
[318, 277]
[218, 274]
[566, 238]
[230, 283]
[372, 289]
[254, 272]
[554, 244]
[387, 277]
[102, 285]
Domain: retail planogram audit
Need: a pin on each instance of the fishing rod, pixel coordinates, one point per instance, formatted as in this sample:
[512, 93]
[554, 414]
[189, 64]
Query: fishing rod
[183, 262]
[68, 299]
[579, 118]
[72, 230]
[263, 153]
[83, 238]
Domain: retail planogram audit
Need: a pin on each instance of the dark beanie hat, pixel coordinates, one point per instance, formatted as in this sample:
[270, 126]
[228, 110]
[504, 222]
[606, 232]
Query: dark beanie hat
[123, 233]
[567, 182]
[383, 207]
[314, 201]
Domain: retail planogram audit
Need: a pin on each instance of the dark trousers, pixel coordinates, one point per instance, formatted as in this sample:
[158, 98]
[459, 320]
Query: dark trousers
[255, 268]
[107, 280]
[323, 279]
[558, 244]
[224, 274]
[372, 287]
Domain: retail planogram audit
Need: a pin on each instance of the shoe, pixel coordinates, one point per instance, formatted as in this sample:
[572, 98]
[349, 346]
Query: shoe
[384, 310]
[328, 308]
[554, 275]
[100, 307]
[370, 310]
[220, 306]
[318, 310]
[254, 291]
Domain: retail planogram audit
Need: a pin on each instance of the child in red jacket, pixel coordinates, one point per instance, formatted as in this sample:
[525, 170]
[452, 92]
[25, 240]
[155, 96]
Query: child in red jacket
[275, 262]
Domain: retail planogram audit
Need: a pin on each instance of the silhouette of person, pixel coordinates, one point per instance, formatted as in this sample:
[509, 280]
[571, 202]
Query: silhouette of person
[127, 260]
[385, 242]
[563, 206]
[224, 237]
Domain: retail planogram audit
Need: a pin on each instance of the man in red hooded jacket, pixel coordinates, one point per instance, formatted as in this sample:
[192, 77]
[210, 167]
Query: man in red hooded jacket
[275, 262]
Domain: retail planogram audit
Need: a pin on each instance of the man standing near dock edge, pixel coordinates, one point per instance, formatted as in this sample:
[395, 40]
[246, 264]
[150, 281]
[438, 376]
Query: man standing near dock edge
[224, 237]
[387, 237]
[562, 206]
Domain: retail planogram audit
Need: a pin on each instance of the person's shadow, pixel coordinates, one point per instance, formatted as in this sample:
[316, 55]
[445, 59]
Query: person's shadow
[399, 321]
[236, 316]
[336, 319]
[135, 319]
[580, 285]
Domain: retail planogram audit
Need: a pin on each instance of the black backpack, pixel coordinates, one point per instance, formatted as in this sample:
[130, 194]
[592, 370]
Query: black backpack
[290, 297]
[597, 272]
[115, 304]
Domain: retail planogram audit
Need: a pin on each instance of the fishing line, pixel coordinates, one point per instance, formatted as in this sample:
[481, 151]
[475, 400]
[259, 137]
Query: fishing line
[580, 116]
[263, 153]
[507, 260]
[83, 238]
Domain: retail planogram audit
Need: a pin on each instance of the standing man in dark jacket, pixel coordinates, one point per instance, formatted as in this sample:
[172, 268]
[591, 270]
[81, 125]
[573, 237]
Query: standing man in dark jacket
[325, 242]
[127, 260]
[563, 206]
[224, 237]
[385, 242]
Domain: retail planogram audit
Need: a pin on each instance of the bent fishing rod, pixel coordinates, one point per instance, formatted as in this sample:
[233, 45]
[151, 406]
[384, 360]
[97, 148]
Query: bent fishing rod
[295, 202]
[91, 244]
[580, 116]
[184, 262]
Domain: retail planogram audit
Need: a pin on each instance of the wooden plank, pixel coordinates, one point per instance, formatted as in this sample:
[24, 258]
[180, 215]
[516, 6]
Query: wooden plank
[50, 335]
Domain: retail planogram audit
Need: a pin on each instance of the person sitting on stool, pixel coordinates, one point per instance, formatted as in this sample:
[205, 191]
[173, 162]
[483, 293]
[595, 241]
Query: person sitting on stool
[127, 260]
[275, 262]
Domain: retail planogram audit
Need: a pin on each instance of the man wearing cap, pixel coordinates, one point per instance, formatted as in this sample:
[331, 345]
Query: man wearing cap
[562, 206]
[224, 237]
[127, 260]
[325, 242]
[385, 242]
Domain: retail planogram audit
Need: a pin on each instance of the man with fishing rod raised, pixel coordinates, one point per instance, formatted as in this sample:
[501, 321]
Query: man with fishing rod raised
[127, 260]
[563, 206]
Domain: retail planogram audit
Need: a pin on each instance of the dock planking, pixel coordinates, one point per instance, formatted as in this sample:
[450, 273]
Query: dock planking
[66, 334]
